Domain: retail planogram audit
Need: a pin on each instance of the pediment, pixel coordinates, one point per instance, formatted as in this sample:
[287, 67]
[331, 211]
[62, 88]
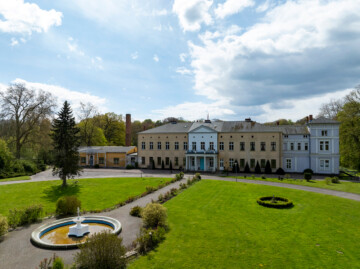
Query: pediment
[203, 129]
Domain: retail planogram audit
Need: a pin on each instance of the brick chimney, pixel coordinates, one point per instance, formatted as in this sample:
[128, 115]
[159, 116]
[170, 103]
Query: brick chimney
[310, 117]
[307, 119]
[128, 130]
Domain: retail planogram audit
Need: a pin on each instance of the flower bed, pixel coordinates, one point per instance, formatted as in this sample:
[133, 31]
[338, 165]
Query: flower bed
[274, 202]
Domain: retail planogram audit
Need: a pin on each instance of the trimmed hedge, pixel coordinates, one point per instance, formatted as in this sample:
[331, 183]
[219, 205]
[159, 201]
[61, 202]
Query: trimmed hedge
[67, 205]
[281, 202]
[28, 215]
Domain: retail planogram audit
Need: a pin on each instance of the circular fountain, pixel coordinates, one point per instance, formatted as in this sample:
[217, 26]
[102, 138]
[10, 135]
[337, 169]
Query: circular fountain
[69, 233]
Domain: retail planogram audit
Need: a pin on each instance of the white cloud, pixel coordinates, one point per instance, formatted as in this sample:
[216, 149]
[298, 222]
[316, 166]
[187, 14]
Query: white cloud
[231, 7]
[182, 57]
[160, 12]
[193, 13]
[73, 47]
[183, 71]
[265, 6]
[62, 94]
[135, 55]
[156, 58]
[25, 18]
[14, 42]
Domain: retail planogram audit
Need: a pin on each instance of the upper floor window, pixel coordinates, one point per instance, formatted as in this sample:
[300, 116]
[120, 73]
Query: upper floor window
[324, 145]
[151, 146]
[185, 146]
[142, 145]
[291, 146]
[305, 136]
[193, 145]
[221, 146]
[286, 136]
[262, 146]
[202, 145]
[211, 145]
[299, 146]
[242, 146]
[306, 147]
[167, 145]
[176, 145]
[252, 146]
[273, 146]
[324, 132]
[159, 145]
[231, 146]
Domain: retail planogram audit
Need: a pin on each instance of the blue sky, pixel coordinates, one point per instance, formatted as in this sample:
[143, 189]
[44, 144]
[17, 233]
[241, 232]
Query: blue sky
[185, 58]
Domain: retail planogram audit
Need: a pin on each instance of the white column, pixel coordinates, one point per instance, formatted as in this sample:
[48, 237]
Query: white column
[204, 162]
[195, 163]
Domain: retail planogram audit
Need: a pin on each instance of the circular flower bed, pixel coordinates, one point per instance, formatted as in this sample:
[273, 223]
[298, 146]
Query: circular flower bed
[274, 202]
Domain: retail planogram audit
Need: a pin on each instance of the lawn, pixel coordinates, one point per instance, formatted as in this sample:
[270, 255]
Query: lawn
[15, 178]
[218, 224]
[94, 193]
[346, 186]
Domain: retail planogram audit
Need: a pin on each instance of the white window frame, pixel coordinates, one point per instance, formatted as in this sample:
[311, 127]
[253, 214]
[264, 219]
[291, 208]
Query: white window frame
[202, 145]
[143, 146]
[167, 145]
[185, 146]
[211, 145]
[193, 146]
[231, 146]
[221, 146]
[221, 163]
[324, 164]
[231, 162]
[151, 145]
[176, 145]
[288, 163]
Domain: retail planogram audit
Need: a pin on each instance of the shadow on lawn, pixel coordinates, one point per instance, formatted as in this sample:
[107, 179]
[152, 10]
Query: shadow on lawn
[53, 193]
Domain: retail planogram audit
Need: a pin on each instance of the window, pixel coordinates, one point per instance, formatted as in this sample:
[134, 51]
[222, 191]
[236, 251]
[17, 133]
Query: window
[324, 145]
[151, 145]
[142, 145]
[151, 160]
[299, 146]
[291, 146]
[211, 145]
[324, 132]
[193, 145]
[83, 159]
[242, 162]
[231, 162]
[305, 136]
[176, 161]
[221, 146]
[306, 147]
[184, 161]
[286, 136]
[167, 145]
[185, 146]
[116, 160]
[262, 146]
[192, 161]
[252, 146]
[231, 146]
[142, 160]
[211, 163]
[273, 163]
[252, 163]
[202, 145]
[176, 145]
[324, 164]
[167, 160]
[159, 160]
[273, 146]
[101, 160]
[288, 164]
[242, 146]
[159, 145]
[221, 163]
[262, 163]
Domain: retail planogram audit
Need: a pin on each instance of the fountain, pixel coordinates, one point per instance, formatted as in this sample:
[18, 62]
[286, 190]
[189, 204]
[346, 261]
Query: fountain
[78, 230]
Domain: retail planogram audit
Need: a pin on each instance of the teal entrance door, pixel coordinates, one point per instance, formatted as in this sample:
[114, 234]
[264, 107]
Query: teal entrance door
[202, 164]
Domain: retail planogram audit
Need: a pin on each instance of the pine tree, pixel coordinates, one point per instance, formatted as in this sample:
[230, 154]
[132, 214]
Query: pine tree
[66, 142]
[268, 169]
[257, 168]
[247, 168]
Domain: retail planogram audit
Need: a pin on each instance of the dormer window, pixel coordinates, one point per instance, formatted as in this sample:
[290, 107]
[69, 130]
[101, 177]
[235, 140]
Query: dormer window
[324, 132]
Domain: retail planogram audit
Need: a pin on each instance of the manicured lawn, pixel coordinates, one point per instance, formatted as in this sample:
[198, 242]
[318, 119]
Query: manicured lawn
[218, 224]
[345, 186]
[94, 193]
[15, 178]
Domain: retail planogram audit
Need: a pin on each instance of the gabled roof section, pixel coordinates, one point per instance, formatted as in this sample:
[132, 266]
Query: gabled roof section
[323, 120]
[214, 126]
[103, 149]
[293, 129]
[180, 127]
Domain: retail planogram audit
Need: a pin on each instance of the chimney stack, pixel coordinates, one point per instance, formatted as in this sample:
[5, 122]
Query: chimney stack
[277, 123]
[311, 117]
[307, 119]
[128, 130]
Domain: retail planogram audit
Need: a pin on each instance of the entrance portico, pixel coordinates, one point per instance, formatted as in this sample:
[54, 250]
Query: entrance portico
[201, 162]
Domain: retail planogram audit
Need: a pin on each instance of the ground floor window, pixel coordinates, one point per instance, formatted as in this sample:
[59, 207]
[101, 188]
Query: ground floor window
[211, 162]
[262, 163]
[288, 164]
[151, 159]
[143, 160]
[176, 161]
[252, 163]
[221, 162]
[273, 163]
[83, 160]
[159, 160]
[192, 161]
[324, 165]
[242, 163]
[184, 161]
[231, 162]
[101, 160]
[116, 160]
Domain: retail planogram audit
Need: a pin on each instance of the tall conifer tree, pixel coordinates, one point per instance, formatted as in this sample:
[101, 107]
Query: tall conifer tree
[66, 141]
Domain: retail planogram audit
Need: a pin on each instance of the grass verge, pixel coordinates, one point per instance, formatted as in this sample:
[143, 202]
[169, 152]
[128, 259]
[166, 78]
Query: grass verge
[15, 178]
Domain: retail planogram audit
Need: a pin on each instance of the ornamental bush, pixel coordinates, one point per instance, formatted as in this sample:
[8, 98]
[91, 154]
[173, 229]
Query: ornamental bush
[307, 176]
[268, 169]
[136, 211]
[257, 168]
[3, 225]
[274, 202]
[149, 239]
[28, 215]
[247, 168]
[154, 215]
[67, 205]
[308, 170]
[280, 171]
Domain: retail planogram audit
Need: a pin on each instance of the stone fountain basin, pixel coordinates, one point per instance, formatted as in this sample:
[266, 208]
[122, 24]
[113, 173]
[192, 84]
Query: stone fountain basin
[40, 231]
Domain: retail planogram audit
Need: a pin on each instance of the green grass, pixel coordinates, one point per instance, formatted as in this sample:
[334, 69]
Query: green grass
[346, 186]
[15, 178]
[218, 224]
[94, 193]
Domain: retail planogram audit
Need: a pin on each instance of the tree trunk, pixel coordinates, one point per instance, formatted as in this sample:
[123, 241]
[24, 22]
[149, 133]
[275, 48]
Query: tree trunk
[64, 182]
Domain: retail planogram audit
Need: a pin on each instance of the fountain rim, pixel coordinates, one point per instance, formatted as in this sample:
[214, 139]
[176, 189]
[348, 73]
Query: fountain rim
[38, 232]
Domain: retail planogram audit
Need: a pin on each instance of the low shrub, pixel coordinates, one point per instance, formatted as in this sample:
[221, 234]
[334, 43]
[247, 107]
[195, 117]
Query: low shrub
[182, 186]
[328, 180]
[54, 262]
[58, 263]
[280, 171]
[28, 215]
[129, 166]
[150, 189]
[181, 175]
[274, 202]
[263, 177]
[154, 215]
[130, 199]
[101, 251]
[308, 170]
[97, 166]
[67, 205]
[335, 180]
[161, 197]
[173, 191]
[3, 225]
[307, 176]
[149, 239]
[136, 211]
[197, 176]
[177, 177]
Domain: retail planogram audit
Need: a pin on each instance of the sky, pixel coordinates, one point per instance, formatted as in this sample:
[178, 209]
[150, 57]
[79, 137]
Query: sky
[231, 59]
